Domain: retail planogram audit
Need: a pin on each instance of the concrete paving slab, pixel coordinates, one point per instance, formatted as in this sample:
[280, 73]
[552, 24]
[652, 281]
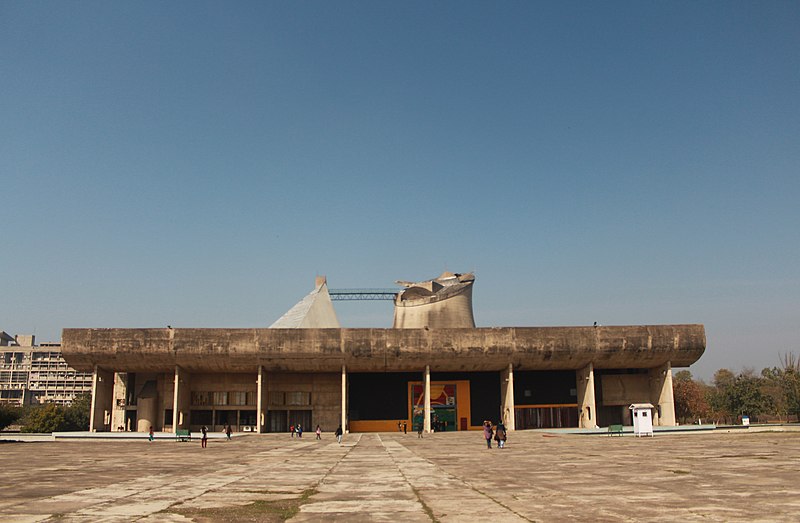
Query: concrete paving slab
[702, 476]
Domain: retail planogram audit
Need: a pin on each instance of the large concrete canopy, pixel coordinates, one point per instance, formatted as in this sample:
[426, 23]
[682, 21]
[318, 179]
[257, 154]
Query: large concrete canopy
[377, 350]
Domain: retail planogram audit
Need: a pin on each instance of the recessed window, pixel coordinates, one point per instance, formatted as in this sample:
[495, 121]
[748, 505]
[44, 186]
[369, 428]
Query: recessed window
[298, 398]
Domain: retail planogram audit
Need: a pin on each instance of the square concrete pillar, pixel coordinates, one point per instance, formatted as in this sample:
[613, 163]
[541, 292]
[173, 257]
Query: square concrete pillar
[587, 408]
[427, 379]
[182, 399]
[261, 408]
[662, 396]
[102, 400]
[119, 404]
[507, 397]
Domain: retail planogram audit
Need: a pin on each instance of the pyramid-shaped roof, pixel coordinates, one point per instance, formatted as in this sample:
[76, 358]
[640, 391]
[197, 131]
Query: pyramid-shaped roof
[315, 311]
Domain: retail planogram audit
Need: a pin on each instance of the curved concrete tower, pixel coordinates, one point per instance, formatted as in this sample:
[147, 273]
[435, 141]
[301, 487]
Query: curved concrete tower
[442, 303]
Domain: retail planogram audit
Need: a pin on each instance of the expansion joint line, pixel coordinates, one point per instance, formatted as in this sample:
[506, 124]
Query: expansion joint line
[498, 502]
[442, 471]
[425, 506]
[250, 471]
[330, 470]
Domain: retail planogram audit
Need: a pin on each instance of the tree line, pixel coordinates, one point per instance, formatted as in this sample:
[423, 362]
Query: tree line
[772, 395]
[48, 417]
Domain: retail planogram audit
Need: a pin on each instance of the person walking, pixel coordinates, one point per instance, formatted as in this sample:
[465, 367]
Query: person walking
[500, 435]
[405, 427]
[339, 433]
[487, 433]
[228, 431]
[204, 439]
[152, 435]
[299, 431]
[291, 430]
[419, 430]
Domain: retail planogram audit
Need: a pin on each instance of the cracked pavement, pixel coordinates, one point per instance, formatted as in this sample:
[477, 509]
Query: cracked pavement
[710, 476]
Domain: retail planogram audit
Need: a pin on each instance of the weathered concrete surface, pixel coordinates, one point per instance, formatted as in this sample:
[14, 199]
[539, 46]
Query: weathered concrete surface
[371, 350]
[741, 476]
[442, 303]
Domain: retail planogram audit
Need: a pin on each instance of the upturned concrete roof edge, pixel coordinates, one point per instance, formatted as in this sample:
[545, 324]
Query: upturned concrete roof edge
[383, 350]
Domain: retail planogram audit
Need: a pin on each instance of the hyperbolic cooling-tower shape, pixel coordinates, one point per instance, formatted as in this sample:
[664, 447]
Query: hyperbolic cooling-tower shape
[441, 303]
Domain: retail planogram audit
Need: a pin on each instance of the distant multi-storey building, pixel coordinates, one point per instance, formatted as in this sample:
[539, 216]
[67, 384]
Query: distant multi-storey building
[33, 374]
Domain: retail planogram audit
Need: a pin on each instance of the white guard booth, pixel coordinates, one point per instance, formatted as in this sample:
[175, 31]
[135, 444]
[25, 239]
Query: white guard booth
[642, 419]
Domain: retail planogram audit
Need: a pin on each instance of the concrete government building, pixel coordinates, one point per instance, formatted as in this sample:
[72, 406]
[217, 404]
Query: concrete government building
[32, 374]
[432, 369]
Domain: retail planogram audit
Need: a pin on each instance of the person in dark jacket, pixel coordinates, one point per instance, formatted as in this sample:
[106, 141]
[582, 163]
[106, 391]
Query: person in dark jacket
[500, 435]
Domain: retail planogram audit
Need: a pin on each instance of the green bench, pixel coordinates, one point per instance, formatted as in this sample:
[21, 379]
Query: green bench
[183, 435]
[615, 429]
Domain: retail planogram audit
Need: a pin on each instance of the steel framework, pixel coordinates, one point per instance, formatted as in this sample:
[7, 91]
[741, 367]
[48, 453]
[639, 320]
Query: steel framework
[363, 294]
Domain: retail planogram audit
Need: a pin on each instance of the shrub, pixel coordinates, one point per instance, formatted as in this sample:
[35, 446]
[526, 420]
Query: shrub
[45, 418]
[8, 415]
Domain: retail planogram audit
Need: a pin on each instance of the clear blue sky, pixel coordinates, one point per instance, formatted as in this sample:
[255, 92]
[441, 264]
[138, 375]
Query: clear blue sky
[197, 164]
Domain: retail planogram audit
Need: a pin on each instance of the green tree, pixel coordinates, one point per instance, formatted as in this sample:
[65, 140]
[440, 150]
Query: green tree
[45, 418]
[791, 383]
[782, 385]
[734, 395]
[718, 396]
[723, 379]
[772, 386]
[8, 415]
[77, 414]
[746, 397]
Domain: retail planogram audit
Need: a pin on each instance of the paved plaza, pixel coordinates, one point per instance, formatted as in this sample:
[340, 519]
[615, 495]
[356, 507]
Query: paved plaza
[710, 476]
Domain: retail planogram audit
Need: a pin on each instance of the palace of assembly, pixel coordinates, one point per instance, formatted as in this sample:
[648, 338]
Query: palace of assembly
[433, 369]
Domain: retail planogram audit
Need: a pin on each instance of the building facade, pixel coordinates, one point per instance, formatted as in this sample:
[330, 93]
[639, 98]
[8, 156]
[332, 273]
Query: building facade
[33, 374]
[436, 378]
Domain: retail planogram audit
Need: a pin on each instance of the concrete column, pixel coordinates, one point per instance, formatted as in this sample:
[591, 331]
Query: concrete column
[261, 417]
[627, 417]
[182, 399]
[507, 397]
[427, 422]
[146, 414]
[344, 399]
[119, 402]
[587, 409]
[661, 395]
[102, 400]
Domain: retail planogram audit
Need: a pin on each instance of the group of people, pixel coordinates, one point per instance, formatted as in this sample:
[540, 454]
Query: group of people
[296, 429]
[490, 432]
[204, 435]
[498, 433]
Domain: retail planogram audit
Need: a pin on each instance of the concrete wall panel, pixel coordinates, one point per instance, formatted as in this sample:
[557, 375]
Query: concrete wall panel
[624, 389]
